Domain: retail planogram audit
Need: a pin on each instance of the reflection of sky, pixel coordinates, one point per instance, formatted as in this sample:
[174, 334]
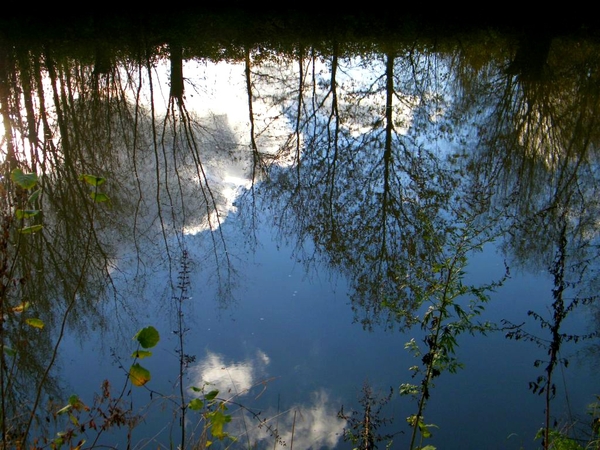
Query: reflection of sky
[298, 331]
[236, 378]
[307, 338]
[314, 423]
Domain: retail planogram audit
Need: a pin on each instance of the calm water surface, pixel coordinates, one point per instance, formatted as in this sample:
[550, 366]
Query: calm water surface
[297, 216]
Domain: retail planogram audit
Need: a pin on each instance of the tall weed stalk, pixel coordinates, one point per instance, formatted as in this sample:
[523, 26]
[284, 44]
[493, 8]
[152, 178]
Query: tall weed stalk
[453, 309]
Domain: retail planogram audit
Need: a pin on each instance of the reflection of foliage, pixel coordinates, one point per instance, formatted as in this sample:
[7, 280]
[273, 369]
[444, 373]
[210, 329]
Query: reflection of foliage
[561, 308]
[32, 355]
[378, 184]
[377, 202]
[363, 425]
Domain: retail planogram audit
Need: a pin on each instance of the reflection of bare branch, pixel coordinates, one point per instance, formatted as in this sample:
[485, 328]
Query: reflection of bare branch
[257, 160]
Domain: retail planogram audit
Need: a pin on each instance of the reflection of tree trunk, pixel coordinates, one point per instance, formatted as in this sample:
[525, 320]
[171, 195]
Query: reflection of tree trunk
[60, 117]
[176, 70]
[5, 106]
[531, 57]
[559, 313]
[25, 73]
[387, 154]
[334, 115]
[299, 110]
[102, 64]
[255, 154]
[368, 441]
[37, 73]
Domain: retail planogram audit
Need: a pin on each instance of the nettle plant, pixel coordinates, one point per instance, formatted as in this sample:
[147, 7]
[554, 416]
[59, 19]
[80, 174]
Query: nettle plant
[453, 308]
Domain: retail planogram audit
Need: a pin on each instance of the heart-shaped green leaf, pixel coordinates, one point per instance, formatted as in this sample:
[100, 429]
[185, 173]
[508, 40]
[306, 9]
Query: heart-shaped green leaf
[138, 375]
[24, 180]
[147, 337]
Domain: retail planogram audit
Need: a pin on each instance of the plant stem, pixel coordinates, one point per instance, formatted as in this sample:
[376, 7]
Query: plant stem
[446, 300]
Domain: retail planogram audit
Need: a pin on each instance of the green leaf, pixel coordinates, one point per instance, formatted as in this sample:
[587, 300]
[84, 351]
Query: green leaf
[34, 196]
[196, 389]
[36, 323]
[218, 421]
[141, 354]
[92, 180]
[76, 403]
[196, 404]
[24, 180]
[147, 337]
[211, 395]
[99, 197]
[20, 308]
[31, 229]
[26, 213]
[64, 409]
[138, 375]
[9, 351]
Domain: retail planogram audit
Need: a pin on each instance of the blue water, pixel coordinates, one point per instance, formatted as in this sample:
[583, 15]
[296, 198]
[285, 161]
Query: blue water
[289, 348]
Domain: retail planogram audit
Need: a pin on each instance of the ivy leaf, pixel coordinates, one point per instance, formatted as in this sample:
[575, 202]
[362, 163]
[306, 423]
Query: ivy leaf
[92, 180]
[24, 180]
[147, 337]
[138, 375]
[36, 323]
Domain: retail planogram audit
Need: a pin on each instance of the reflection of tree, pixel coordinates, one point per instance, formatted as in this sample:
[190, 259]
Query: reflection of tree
[375, 201]
[539, 137]
[63, 119]
[382, 166]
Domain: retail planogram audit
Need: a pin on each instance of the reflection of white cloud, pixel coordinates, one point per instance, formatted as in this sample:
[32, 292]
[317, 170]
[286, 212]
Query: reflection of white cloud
[314, 425]
[229, 377]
